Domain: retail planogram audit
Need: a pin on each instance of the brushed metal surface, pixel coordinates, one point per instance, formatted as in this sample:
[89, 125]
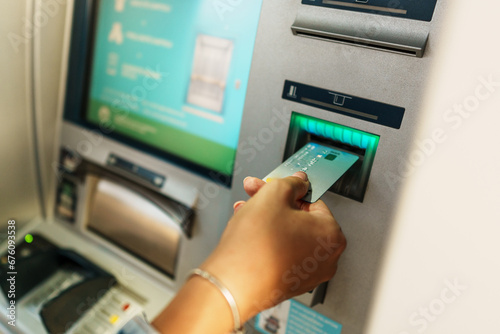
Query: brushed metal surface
[135, 223]
[389, 38]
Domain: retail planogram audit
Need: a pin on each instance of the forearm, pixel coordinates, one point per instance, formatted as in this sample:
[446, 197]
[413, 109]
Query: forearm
[264, 242]
[199, 307]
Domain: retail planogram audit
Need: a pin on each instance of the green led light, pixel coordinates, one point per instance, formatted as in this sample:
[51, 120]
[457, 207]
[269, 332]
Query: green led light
[329, 131]
[364, 141]
[335, 132]
[348, 137]
[320, 126]
[356, 138]
[28, 238]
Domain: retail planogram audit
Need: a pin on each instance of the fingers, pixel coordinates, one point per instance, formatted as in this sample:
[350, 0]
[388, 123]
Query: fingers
[252, 185]
[298, 181]
[319, 208]
[301, 175]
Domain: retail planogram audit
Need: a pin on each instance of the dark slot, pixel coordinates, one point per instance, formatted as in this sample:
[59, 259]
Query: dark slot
[348, 184]
[357, 42]
[340, 145]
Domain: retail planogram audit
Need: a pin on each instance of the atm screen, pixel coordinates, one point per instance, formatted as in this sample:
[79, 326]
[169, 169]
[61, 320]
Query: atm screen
[172, 76]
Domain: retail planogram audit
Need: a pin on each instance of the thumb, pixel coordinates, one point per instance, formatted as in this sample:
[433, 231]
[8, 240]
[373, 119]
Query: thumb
[300, 185]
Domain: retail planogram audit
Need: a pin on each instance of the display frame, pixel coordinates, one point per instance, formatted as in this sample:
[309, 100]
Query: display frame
[77, 97]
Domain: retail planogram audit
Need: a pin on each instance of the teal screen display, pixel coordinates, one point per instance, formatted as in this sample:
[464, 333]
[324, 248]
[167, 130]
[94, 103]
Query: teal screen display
[173, 74]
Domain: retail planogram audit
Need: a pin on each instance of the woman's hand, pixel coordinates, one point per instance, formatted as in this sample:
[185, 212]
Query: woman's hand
[276, 246]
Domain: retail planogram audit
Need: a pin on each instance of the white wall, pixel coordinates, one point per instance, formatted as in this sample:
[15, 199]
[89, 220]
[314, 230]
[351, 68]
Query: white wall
[442, 270]
[18, 190]
[48, 55]
[31, 37]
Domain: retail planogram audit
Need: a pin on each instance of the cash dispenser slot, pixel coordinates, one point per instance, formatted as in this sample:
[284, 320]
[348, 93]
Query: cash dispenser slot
[120, 204]
[136, 220]
[353, 183]
[389, 39]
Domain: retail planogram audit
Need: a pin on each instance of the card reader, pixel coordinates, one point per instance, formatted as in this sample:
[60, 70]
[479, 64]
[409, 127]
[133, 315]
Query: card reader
[323, 164]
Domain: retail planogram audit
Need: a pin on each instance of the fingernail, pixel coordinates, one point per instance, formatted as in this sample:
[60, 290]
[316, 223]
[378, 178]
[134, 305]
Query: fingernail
[301, 175]
[246, 178]
[238, 204]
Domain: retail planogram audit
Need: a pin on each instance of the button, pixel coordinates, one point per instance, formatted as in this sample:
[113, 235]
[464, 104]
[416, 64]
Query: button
[99, 317]
[158, 181]
[104, 311]
[116, 298]
[96, 325]
[113, 303]
[125, 307]
[112, 160]
[113, 319]
[88, 329]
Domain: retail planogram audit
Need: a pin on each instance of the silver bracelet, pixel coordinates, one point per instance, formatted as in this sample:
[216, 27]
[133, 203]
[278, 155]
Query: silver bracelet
[238, 329]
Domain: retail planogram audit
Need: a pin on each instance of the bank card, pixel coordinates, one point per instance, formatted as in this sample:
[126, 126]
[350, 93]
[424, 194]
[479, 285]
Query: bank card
[323, 164]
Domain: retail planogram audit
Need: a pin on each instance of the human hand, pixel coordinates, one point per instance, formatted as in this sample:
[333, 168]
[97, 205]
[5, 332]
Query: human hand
[276, 246]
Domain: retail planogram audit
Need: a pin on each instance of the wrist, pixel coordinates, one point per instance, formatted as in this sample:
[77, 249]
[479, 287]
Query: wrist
[237, 324]
[198, 308]
[251, 297]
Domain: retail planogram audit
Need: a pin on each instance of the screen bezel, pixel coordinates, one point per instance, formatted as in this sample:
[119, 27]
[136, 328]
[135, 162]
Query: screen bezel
[83, 34]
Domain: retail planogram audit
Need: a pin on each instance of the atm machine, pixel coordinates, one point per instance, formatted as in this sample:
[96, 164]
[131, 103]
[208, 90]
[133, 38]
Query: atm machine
[166, 106]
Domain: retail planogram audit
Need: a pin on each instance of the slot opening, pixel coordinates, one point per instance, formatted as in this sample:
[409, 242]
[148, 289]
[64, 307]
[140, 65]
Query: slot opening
[354, 182]
[392, 38]
[123, 210]
[357, 42]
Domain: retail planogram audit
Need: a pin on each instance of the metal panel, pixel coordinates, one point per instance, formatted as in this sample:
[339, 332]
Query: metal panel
[390, 38]
[48, 54]
[380, 76]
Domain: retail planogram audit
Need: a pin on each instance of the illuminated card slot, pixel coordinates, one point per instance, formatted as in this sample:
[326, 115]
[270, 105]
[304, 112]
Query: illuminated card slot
[353, 184]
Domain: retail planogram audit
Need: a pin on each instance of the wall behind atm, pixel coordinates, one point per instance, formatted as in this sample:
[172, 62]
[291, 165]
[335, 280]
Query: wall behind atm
[441, 271]
[31, 34]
